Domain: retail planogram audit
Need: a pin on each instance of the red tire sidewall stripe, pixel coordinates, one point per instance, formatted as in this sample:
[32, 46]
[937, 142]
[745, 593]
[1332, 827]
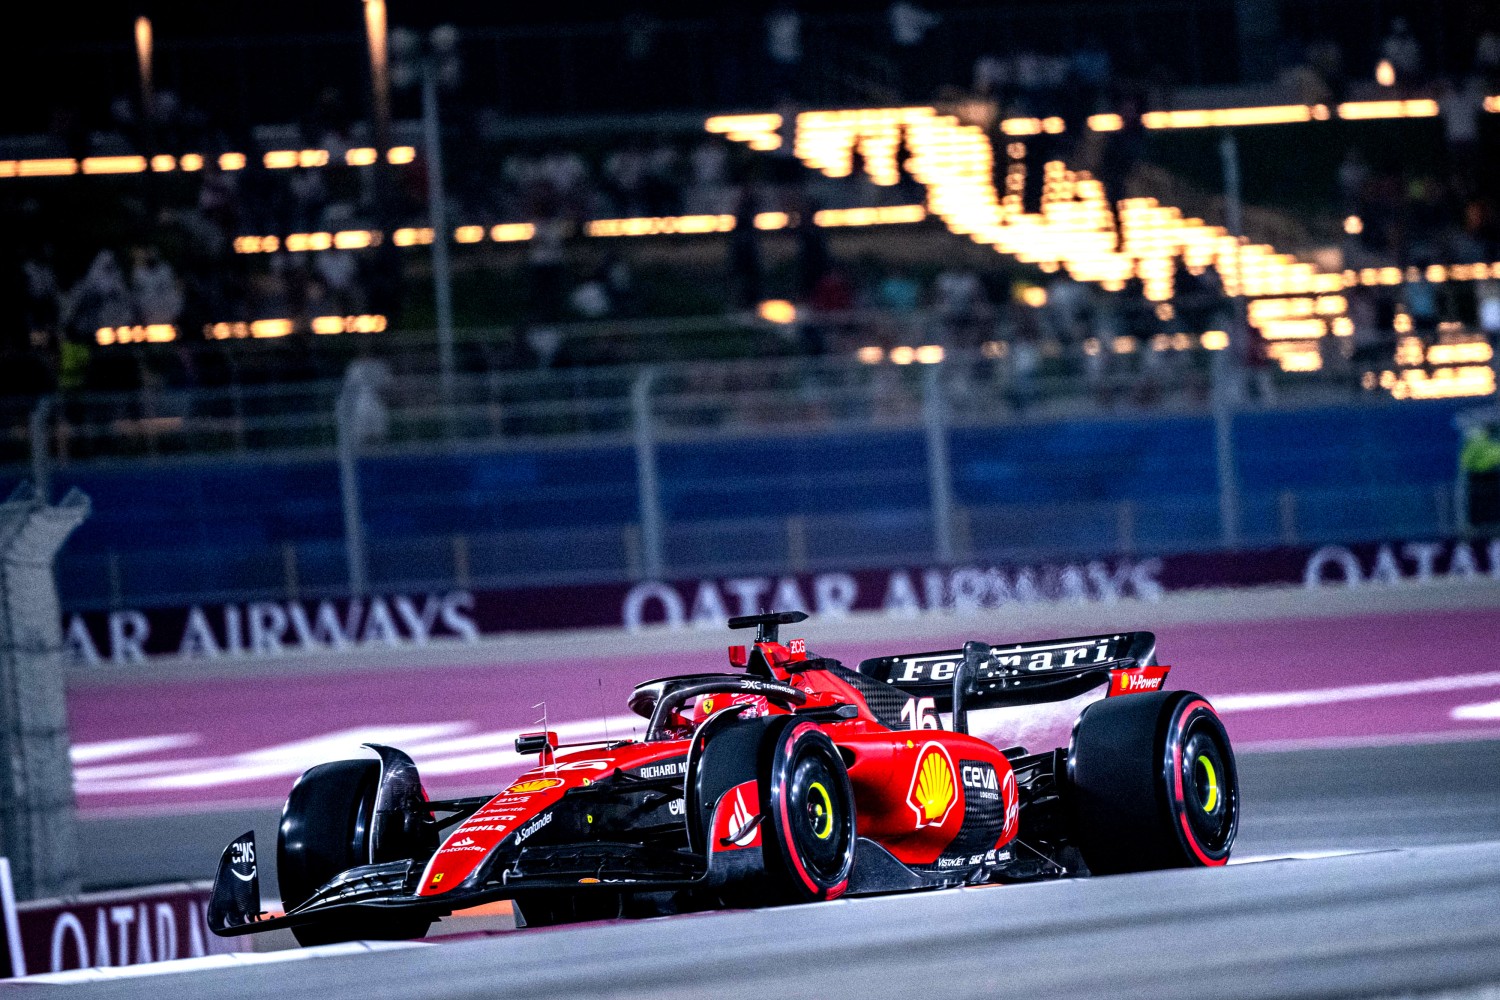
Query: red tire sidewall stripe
[788, 848]
[1187, 828]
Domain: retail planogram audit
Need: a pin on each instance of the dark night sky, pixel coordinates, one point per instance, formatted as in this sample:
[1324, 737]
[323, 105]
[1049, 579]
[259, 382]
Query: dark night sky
[110, 20]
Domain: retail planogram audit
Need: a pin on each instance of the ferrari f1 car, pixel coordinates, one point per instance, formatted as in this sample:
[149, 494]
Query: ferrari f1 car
[791, 779]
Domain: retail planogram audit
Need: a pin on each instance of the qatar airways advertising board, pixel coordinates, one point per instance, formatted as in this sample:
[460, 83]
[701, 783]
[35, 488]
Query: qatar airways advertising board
[270, 628]
[106, 930]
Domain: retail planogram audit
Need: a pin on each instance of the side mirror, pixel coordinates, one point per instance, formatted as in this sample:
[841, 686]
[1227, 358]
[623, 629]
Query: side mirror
[530, 743]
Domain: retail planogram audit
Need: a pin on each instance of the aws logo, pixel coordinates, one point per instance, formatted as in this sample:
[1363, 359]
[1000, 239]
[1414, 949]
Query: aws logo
[933, 786]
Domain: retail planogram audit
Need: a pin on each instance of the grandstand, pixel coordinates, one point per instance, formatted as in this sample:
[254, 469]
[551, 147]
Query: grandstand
[943, 301]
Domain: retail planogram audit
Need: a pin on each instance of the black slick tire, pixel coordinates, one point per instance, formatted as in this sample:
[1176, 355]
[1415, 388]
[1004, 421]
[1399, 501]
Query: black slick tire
[324, 830]
[1151, 784]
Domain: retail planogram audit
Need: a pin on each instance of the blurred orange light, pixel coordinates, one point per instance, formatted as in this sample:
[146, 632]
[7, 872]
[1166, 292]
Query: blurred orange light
[400, 154]
[757, 131]
[61, 167]
[1356, 110]
[777, 311]
[1273, 115]
[883, 215]
[270, 328]
[114, 164]
[154, 333]
[1021, 126]
[231, 161]
[301, 242]
[1214, 340]
[412, 237]
[1474, 352]
[1445, 383]
[512, 232]
[353, 239]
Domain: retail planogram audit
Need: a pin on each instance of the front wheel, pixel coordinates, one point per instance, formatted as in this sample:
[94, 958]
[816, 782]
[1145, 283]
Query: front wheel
[1152, 784]
[808, 804]
[325, 830]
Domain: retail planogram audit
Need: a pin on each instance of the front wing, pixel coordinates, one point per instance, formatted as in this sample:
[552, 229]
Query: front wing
[235, 908]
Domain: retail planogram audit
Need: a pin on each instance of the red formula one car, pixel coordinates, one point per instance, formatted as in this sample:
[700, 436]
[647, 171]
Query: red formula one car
[791, 779]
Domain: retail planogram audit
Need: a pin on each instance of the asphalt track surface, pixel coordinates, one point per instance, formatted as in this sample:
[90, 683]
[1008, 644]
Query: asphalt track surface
[1409, 922]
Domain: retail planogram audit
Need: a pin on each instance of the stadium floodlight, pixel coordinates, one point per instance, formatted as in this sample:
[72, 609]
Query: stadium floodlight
[380, 79]
[144, 44]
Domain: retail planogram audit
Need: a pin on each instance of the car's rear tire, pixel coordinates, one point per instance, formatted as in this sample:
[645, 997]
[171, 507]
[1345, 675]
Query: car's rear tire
[807, 802]
[1152, 784]
[325, 828]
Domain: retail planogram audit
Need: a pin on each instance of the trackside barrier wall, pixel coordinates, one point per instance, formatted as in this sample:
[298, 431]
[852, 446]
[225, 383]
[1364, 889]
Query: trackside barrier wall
[111, 640]
[36, 783]
[492, 514]
[107, 929]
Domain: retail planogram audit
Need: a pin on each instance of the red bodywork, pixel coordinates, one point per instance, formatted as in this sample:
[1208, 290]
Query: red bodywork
[917, 792]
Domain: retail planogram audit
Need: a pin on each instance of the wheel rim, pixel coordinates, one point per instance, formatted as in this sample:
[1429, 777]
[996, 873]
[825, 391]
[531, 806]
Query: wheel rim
[1209, 799]
[819, 816]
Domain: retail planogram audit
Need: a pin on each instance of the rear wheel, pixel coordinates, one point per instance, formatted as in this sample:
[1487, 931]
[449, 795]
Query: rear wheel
[325, 829]
[808, 830]
[1152, 784]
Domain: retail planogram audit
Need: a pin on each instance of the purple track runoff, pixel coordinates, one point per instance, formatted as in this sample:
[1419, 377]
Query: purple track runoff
[143, 747]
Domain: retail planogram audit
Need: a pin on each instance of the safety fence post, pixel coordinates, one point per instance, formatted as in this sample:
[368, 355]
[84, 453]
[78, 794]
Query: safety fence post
[939, 471]
[359, 415]
[648, 486]
[41, 447]
[37, 823]
[1229, 488]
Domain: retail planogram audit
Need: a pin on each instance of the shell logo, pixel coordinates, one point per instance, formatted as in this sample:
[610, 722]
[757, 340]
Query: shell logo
[933, 788]
[532, 785]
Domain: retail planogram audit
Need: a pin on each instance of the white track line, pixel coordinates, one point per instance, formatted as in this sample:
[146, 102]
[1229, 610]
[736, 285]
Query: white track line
[1358, 692]
[90, 753]
[230, 961]
[1255, 859]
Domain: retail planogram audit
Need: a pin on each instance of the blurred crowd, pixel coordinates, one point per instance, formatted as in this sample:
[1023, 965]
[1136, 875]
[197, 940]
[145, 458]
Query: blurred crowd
[159, 250]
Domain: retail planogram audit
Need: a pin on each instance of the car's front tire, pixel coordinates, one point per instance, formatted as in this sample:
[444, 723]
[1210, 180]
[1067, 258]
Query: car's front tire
[808, 804]
[325, 830]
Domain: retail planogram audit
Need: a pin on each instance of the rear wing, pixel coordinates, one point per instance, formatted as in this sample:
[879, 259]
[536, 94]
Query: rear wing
[1024, 673]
